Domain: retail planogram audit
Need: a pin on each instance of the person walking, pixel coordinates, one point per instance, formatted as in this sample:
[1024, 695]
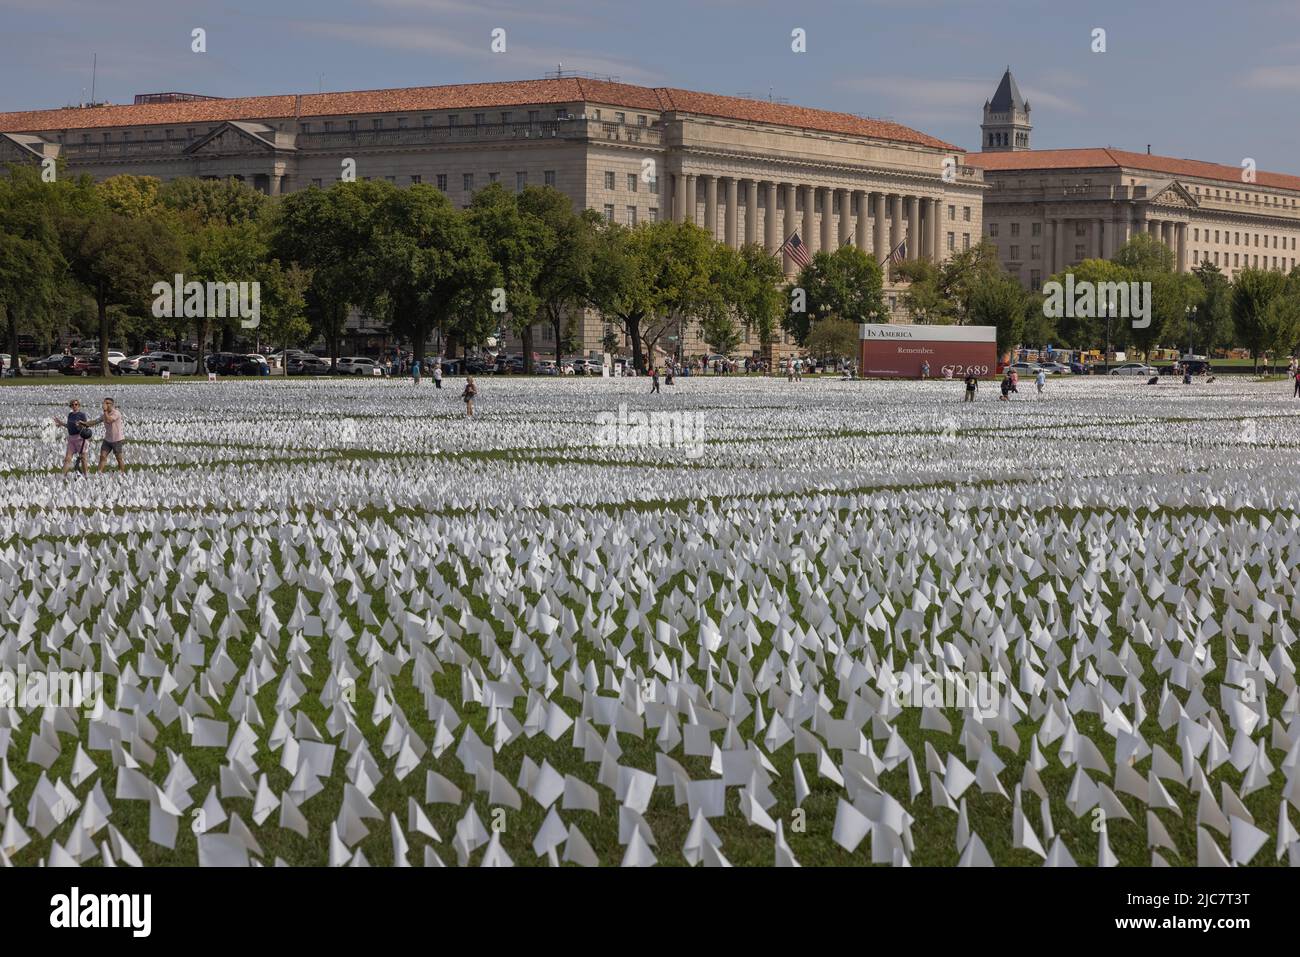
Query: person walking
[925, 369]
[1007, 388]
[114, 436]
[654, 379]
[668, 374]
[1295, 375]
[471, 390]
[78, 434]
[415, 371]
[971, 384]
[1040, 380]
[437, 373]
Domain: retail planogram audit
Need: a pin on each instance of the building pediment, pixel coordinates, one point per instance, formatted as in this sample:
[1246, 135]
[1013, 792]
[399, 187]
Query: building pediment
[1171, 193]
[25, 148]
[240, 139]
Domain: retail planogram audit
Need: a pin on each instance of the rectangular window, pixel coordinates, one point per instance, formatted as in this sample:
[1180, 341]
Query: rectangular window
[952, 212]
[329, 128]
[453, 119]
[965, 240]
[442, 182]
[467, 182]
[654, 185]
[316, 183]
[534, 116]
[352, 126]
[1015, 229]
[561, 114]
[640, 119]
[549, 177]
[631, 215]
[1035, 229]
[401, 122]
[1035, 280]
[427, 121]
[480, 119]
[965, 214]
[1015, 252]
[521, 180]
[652, 214]
[1081, 229]
[620, 117]
[1035, 252]
[609, 180]
[993, 229]
[609, 212]
[1078, 252]
[493, 177]
[415, 179]
[631, 182]
[505, 117]
[952, 245]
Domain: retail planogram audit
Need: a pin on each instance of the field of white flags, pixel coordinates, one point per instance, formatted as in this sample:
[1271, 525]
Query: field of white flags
[745, 622]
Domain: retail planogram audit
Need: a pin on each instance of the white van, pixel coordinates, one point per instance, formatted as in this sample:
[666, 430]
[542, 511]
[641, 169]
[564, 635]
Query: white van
[155, 363]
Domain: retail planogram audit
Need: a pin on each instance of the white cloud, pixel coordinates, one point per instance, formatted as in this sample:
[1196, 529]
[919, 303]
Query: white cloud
[1273, 78]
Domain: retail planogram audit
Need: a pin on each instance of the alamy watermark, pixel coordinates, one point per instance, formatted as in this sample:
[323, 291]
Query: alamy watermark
[663, 430]
[978, 690]
[1086, 299]
[211, 300]
[26, 690]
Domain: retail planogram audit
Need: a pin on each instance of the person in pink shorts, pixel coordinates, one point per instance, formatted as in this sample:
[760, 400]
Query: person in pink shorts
[78, 434]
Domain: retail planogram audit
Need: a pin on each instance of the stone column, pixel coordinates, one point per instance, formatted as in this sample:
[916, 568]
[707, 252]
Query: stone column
[846, 216]
[895, 224]
[936, 228]
[809, 219]
[860, 197]
[733, 186]
[751, 211]
[1062, 243]
[878, 227]
[711, 206]
[692, 207]
[1181, 253]
[1051, 247]
[789, 218]
[1107, 231]
[1096, 226]
[827, 198]
[913, 206]
[771, 237]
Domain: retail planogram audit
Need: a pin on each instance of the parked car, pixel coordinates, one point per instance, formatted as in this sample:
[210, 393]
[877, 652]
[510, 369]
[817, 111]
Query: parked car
[115, 356]
[258, 364]
[307, 364]
[49, 363]
[1196, 365]
[131, 364]
[546, 367]
[1055, 368]
[1024, 369]
[76, 365]
[587, 367]
[173, 363]
[1079, 368]
[357, 365]
[1133, 368]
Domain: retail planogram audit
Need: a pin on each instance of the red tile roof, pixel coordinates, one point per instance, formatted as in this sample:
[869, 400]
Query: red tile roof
[1102, 157]
[465, 96]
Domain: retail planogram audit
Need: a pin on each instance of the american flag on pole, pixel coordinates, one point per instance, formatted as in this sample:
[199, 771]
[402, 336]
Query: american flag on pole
[897, 256]
[797, 250]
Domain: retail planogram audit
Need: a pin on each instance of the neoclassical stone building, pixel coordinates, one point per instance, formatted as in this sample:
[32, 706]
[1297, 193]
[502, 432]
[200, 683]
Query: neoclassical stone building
[1048, 209]
[747, 170]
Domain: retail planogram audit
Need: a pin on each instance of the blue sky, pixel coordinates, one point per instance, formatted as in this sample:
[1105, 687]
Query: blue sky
[1193, 79]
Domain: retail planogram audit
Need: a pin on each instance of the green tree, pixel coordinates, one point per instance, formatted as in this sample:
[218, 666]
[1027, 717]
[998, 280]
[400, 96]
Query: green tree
[517, 243]
[1087, 328]
[564, 277]
[1256, 323]
[1144, 254]
[327, 233]
[1000, 302]
[755, 292]
[118, 258]
[941, 293]
[1173, 296]
[31, 261]
[846, 284]
[1210, 323]
[211, 202]
[428, 266]
[833, 338]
